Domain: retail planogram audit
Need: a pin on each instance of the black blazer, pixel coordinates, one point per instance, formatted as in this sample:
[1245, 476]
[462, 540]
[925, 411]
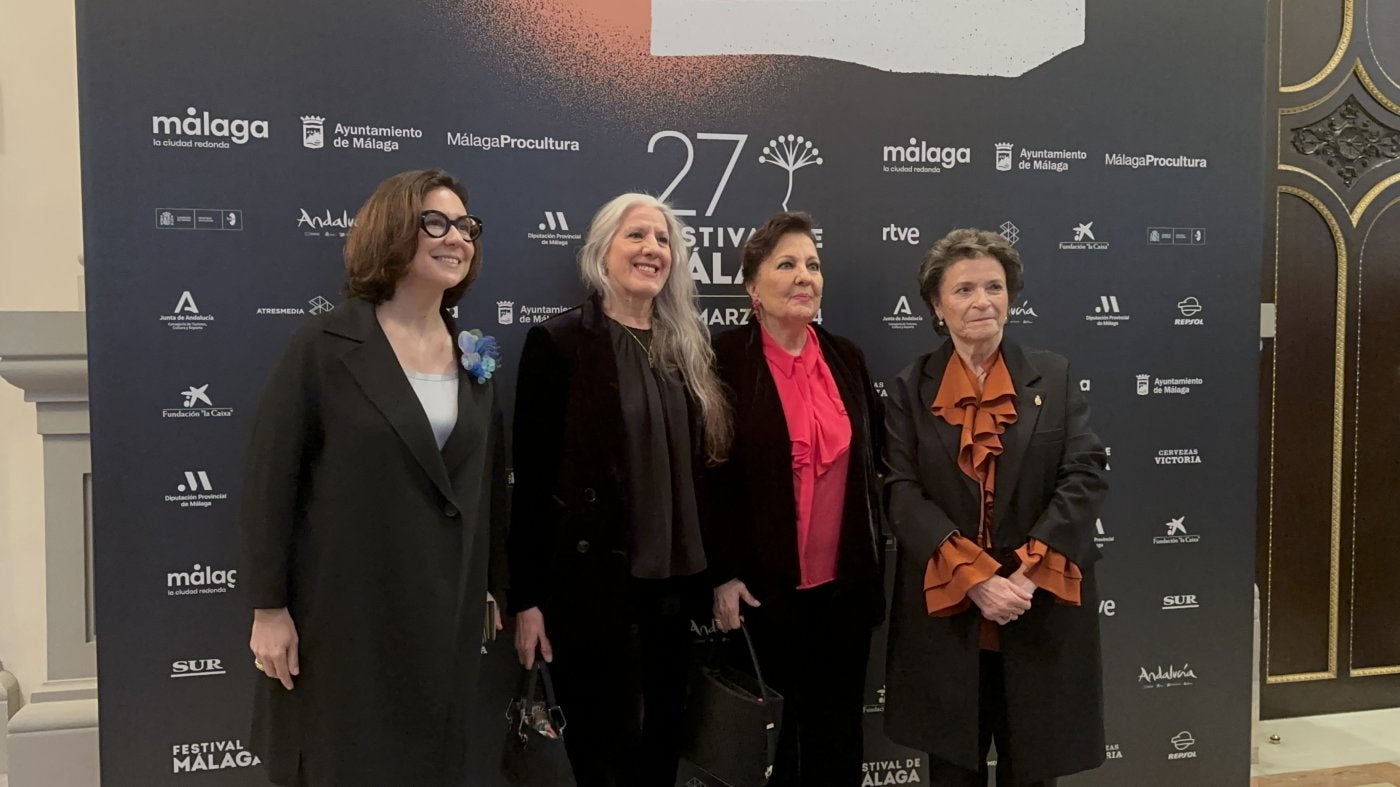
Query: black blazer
[751, 519]
[381, 546]
[568, 538]
[1050, 484]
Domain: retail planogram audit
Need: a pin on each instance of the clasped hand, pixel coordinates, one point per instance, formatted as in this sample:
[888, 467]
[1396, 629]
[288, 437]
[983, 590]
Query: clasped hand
[1003, 599]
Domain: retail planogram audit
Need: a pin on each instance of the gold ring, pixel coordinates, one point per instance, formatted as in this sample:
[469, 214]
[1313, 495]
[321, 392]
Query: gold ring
[258, 665]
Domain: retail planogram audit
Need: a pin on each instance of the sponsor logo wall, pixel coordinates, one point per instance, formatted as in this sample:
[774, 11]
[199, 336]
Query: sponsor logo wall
[1118, 218]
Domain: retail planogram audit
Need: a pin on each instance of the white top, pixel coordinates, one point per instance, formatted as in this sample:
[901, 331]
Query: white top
[438, 394]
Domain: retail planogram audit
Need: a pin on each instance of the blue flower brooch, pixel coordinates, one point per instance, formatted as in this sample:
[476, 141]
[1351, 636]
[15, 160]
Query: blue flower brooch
[481, 355]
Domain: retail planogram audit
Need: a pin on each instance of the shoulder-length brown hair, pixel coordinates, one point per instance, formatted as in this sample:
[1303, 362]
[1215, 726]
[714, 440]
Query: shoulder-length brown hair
[385, 236]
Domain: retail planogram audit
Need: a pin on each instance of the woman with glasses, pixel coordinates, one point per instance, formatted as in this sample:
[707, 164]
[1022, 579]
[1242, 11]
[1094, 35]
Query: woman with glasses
[617, 411]
[373, 499]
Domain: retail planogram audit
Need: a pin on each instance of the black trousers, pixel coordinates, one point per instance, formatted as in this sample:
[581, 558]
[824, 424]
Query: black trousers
[813, 647]
[992, 725]
[621, 683]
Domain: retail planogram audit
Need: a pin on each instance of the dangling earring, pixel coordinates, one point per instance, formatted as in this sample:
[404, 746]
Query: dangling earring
[757, 307]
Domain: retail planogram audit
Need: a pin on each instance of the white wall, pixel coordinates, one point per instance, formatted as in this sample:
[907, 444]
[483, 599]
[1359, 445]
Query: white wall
[40, 242]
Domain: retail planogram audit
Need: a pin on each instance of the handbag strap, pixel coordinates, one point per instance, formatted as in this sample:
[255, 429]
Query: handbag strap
[556, 713]
[753, 655]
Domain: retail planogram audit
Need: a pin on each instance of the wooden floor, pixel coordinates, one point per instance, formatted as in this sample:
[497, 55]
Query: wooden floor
[1381, 774]
[1340, 750]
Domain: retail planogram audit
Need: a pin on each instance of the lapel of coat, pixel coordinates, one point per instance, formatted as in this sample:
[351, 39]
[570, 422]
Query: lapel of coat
[377, 371]
[1017, 436]
[765, 418]
[594, 380]
[471, 396]
[949, 435]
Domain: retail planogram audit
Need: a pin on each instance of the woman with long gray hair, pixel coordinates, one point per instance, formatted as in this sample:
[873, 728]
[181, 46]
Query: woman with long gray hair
[618, 410]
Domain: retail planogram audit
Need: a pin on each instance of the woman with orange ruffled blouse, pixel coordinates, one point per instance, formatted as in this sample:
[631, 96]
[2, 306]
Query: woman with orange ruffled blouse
[995, 480]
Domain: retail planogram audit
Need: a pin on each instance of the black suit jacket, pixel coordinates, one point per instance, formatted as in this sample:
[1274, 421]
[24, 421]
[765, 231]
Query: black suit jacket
[751, 518]
[568, 538]
[1050, 484]
[381, 546]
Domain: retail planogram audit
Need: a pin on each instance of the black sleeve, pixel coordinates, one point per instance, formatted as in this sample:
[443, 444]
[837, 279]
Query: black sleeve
[285, 433]
[541, 405]
[1067, 525]
[918, 523]
[726, 515]
[498, 575]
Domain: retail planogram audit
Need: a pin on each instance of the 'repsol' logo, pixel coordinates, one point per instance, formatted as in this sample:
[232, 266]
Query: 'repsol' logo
[1084, 239]
[200, 580]
[1101, 536]
[1183, 744]
[896, 771]
[1112, 752]
[1108, 314]
[505, 312]
[1179, 386]
[196, 491]
[1177, 533]
[1189, 307]
[894, 233]
[313, 132]
[384, 139]
[1178, 456]
[202, 130]
[195, 403]
[920, 157]
[1021, 314]
[902, 317]
[324, 224]
[1003, 154]
[186, 315]
[197, 668]
[1186, 601]
[210, 756]
[1168, 677]
[554, 230]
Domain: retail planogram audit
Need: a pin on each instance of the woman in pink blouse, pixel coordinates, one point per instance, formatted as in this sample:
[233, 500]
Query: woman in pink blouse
[793, 534]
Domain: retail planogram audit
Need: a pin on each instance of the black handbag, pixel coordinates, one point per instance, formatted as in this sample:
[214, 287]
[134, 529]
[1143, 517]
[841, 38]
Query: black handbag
[732, 721]
[533, 751]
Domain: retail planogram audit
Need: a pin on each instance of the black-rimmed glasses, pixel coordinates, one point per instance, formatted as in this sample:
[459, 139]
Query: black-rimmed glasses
[436, 224]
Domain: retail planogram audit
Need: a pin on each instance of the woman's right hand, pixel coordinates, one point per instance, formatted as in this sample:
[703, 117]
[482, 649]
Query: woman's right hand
[530, 637]
[274, 644]
[1000, 600]
[727, 597]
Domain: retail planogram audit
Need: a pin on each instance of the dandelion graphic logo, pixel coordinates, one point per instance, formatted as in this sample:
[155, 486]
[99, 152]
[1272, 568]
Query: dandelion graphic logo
[790, 153]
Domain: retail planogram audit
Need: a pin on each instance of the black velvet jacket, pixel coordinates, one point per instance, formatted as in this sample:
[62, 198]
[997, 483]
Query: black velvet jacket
[750, 519]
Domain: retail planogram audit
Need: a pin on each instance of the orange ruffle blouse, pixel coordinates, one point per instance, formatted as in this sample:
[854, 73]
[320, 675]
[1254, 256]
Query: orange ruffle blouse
[961, 563]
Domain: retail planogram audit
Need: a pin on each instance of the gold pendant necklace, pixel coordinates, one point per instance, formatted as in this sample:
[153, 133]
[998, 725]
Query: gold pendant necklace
[640, 343]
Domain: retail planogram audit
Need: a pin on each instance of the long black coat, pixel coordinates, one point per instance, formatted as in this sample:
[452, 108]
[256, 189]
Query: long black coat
[382, 548]
[751, 527]
[568, 536]
[1049, 486]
